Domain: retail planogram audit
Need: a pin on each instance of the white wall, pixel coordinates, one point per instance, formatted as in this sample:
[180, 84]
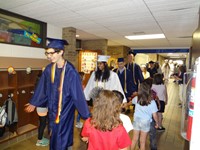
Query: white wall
[8, 50]
[54, 32]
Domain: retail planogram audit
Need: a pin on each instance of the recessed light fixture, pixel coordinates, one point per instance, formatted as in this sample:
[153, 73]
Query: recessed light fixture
[146, 36]
[77, 35]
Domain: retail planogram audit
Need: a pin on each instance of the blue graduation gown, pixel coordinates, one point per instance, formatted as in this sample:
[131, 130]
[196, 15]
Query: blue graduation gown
[136, 73]
[46, 94]
[131, 87]
[152, 71]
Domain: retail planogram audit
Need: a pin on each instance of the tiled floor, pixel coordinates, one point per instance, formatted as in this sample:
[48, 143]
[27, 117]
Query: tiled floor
[168, 140]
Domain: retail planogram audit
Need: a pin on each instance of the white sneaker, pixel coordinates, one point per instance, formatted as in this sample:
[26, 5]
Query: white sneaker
[43, 142]
[79, 125]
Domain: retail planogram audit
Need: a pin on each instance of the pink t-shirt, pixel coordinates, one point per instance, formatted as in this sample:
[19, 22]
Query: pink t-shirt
[116, 139]
[160, 91]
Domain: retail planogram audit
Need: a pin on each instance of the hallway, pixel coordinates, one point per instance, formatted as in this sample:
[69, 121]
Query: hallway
[168, 140]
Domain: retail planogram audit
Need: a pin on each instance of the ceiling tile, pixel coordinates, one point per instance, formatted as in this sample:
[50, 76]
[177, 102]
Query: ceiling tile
[113, 19]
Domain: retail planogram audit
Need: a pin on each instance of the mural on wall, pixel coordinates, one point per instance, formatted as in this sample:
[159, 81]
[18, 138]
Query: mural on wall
[20, 30]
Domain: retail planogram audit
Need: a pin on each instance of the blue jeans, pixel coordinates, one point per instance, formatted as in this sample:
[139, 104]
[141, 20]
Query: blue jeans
[152, 136]
[78, 118]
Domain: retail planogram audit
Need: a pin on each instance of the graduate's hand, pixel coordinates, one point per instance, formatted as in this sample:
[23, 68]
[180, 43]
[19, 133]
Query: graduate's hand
[124, 105]
[129, 103]
[85, 139]
[175, 77]
[129, 99]
[29, 108]
[134, 94]
[159, 107]
[156, 125]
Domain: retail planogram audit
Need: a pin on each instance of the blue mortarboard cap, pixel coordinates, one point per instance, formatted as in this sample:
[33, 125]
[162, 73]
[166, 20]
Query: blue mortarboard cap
[120, 60]
[131, 52]
[56, 43]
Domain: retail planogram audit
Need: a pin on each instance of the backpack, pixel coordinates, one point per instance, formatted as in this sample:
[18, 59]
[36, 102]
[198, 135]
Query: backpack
[10, 108]
[3, 116]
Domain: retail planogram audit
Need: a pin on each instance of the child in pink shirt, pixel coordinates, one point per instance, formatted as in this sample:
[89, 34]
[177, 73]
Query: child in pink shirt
[104, 130]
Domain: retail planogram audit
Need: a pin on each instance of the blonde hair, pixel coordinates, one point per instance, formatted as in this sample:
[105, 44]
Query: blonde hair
[106, 111]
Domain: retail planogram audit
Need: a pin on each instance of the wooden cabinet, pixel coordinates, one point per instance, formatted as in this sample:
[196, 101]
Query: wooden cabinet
[21, 87]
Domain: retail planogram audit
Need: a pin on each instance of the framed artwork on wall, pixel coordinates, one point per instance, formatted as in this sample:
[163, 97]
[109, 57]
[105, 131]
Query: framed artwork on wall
[20, 30]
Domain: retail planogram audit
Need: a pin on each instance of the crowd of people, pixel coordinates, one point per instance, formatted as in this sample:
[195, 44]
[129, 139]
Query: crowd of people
[109, 93]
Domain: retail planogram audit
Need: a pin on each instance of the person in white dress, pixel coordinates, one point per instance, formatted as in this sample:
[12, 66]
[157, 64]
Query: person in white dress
[166, 70]
[103, 77]
[171, 64]
[145, 73]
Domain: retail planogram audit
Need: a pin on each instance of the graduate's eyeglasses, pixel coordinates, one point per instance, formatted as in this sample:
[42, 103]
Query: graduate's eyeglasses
[49, 53]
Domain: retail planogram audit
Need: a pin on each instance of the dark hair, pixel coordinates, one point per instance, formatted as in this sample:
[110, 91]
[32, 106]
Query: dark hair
[158, 79]
[119, 95]
[149, 81]
[157, 65]
[57, 50]
[105, 75]
[144, 94]
[106, 111]
[131, 52]
[182, 68]
[81, 75]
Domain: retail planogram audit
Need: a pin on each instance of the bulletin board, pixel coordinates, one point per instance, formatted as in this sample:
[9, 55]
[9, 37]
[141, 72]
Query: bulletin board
[88, 61]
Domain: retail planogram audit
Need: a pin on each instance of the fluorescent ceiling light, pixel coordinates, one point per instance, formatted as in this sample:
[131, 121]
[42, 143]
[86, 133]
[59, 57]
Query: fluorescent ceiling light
[146, 36]
[169, 54]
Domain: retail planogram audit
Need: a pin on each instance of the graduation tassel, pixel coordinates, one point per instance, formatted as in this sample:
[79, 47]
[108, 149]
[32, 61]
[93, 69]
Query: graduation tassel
[125, 87]
[53, 69]
[57, 120]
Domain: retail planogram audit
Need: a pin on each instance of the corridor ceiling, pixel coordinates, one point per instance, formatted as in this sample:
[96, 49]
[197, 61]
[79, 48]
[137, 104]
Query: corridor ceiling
[114, 19]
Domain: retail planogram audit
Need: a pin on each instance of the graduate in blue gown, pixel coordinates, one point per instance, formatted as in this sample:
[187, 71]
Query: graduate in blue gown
[125, 77]
[134, 68]
[59, 89]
